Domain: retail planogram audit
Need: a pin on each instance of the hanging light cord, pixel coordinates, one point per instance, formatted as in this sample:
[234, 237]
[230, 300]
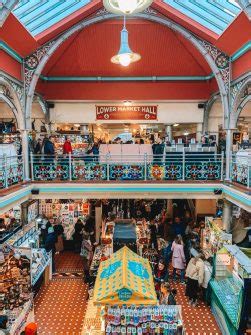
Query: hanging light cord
[124, 22]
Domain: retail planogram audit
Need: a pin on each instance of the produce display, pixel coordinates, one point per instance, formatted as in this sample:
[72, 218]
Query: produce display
[161, 319]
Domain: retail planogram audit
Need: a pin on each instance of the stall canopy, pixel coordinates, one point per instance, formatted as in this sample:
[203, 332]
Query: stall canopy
[125, 279]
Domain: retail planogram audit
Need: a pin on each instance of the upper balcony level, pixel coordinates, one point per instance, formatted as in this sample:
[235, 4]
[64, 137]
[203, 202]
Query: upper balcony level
[170, 167]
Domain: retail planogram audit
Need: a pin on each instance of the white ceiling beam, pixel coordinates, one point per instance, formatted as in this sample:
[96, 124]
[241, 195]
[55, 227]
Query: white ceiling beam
[5, 9]
[246, 6]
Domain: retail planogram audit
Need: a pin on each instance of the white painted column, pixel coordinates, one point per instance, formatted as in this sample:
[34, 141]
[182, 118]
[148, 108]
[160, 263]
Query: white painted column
[199, 131]
[227, 215]
[229, 149]
[169, 132]
[25, 153]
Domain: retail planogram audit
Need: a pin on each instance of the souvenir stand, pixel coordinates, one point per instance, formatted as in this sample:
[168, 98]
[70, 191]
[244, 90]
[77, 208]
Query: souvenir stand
[10, 223]
[125, 288]
[230, 290]
[16, 301]
[67, 211]
[213, 237]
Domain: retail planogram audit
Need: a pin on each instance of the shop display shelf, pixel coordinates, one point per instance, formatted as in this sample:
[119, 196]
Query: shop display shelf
[40, 260]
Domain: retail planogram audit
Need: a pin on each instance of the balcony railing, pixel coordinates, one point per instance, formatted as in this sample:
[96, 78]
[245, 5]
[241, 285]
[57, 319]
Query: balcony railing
[11, 170]
[172, 166]
[241, 170]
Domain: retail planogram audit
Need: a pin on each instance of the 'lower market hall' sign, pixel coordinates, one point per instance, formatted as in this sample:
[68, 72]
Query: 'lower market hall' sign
[126, 112]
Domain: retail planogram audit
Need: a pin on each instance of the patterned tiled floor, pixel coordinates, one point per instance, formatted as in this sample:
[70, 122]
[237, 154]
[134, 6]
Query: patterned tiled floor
[68, 261]
[60, 307]
[197, 320]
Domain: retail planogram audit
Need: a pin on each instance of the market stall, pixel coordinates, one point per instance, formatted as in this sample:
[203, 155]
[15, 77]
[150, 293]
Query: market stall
[213, 237]
[67, 211]
[231, 287]
[10, 223]
[125, 279]
[16, 302]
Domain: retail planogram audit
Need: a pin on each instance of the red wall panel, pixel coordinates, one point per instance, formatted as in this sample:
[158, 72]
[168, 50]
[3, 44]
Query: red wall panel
[125, 91]
[10, 65]
[242, 65]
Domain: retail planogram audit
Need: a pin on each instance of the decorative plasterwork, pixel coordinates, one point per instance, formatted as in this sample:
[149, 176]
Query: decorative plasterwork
[31, 62]
[222, 61]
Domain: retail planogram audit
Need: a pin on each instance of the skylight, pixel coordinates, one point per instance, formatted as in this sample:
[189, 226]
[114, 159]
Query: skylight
[39, 15]
[215, 15]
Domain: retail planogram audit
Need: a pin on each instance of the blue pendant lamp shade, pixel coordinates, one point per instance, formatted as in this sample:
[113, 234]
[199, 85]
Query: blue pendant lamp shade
[125, 55]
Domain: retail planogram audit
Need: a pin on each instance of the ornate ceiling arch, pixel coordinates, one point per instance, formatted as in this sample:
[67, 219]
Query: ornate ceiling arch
[12, 95]
[218, 61]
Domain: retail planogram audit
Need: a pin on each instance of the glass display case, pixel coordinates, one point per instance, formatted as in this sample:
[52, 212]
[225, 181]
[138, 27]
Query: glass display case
[229, 289]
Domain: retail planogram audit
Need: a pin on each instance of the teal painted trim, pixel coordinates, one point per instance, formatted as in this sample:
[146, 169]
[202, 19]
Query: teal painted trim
[244, 49]
[9, 201]
[146, 78]
[11, 52]
[139, 189]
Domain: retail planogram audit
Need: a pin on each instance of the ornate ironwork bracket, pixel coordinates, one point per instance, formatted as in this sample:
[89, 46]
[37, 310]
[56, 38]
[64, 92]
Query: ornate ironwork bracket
[222, 62]
[32, 61]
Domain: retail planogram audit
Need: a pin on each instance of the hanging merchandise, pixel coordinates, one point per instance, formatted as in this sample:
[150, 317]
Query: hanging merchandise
[66, 211]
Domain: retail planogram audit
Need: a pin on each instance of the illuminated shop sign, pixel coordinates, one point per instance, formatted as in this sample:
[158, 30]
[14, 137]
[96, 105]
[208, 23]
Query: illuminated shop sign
[126, 112]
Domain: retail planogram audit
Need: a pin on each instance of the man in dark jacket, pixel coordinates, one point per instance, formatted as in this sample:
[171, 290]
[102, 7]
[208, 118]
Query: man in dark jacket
[50, 244]
[49, 149]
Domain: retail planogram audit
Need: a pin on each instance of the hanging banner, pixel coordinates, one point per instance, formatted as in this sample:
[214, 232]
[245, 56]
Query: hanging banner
[126, 112]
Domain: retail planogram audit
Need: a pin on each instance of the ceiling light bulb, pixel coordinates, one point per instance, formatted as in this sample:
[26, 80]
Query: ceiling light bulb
[127, 6]
[124, 59]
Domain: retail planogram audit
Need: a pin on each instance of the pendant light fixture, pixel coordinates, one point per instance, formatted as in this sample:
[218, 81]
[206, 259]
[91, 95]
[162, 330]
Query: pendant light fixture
[125, 55]
[126, 7]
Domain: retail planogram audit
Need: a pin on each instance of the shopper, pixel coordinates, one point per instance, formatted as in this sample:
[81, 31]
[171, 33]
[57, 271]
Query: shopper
[49, 149]
[38, 147]
[195, 277]
[153, 235]
[179, 226]
[67, 148]
[89, 229]
[160, 274]
[59, 230]
[78, 236]
[50, 242]
[178, 258]
[167, 296]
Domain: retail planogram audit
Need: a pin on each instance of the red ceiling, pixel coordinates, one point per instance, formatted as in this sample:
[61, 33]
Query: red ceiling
[125, 91]
[17, 37]
[88, 52]
[236, 35]
[10, 65]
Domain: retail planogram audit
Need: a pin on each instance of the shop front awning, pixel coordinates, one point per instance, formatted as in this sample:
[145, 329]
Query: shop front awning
[125, 279]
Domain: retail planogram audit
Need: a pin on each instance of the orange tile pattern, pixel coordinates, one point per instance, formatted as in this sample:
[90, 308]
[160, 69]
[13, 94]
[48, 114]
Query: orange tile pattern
[68, 261]
[197, 320]
[60, 307]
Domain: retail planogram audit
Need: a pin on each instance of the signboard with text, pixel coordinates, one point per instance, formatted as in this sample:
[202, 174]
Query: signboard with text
[126, 112]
